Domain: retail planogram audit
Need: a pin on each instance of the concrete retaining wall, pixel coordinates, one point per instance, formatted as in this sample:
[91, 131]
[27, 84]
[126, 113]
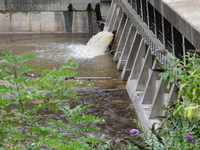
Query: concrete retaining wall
[48, 22]
[134, 47]
[44, 5]
[105, 6]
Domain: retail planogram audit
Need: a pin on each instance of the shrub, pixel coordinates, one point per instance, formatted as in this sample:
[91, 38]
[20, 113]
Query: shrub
[186, 74]
[180, 129]
[24, 102]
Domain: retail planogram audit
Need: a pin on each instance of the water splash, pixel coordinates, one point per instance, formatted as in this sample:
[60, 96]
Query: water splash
[97, 45]
[58, 50]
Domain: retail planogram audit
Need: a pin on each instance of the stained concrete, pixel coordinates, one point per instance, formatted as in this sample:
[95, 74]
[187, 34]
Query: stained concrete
[136, 57]
[48, 22]
[45, 5]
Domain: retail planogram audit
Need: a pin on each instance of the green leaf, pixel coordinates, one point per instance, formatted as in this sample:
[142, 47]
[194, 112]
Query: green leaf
[26, 68]
[19, 80]
[65, 73]
[84, 129]
[70, 64]
[178, 110]
[183, 85]
[23, 58]
[58, 123]
[191, 111]
[164, 75]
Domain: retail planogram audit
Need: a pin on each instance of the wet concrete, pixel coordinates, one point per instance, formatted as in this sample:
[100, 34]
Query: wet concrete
[13, 37]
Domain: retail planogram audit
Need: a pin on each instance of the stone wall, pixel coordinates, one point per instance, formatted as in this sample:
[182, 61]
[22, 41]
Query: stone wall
[44, 5]
[48, 22]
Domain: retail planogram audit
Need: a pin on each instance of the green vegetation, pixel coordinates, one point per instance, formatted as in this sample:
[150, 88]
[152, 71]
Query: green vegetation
[180, 129]
[24, 101]
[185, 73]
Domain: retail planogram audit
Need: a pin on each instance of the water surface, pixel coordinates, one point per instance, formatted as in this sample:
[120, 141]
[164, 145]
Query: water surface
[52, 52]
[109, 95]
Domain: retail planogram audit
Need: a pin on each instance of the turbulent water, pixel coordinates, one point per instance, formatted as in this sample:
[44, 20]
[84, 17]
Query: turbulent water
[97, 45]
[109, 96]
[90, 53]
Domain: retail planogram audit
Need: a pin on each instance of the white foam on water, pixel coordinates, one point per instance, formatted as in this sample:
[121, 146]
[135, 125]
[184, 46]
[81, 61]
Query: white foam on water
[60, 51]
[96, 46]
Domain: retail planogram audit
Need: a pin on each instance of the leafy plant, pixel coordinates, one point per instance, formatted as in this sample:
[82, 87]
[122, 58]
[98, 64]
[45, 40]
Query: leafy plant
[24, 102]
[172, 133]
[186, 73]
[180, 129]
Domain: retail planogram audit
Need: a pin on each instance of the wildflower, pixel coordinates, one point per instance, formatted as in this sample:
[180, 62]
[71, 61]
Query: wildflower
[134, 131]
[190, 138]
[164, 119]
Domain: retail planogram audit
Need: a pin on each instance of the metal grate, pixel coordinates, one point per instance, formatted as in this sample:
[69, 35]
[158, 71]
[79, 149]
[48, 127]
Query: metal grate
[160, 36]
[159, 30]
[169, 46]
[151, 18]
[139, 9]
[178, 43]
[144, 11]
[133, 4]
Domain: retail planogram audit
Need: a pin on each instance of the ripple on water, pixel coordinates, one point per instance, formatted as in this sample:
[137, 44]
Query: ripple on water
[109, 97]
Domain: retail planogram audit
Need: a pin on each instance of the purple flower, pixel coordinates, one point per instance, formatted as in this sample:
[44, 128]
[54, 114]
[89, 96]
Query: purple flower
[134, 131]
[190, 138]
[157, 50]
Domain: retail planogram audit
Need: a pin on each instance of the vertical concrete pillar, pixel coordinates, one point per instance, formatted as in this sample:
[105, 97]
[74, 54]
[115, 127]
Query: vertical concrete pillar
[137, 47]
[127, 46]
[172, 96]
[122, 40]
[117, 19]
[144, 72]
[120, 27]
[161, 95]
[113, 18]
[151, 85]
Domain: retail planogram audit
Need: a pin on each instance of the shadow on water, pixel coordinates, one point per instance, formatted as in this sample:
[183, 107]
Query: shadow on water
[108, 95]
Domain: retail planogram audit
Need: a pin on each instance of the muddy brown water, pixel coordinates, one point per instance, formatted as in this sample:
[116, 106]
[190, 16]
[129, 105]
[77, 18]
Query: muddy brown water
[108, 94]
